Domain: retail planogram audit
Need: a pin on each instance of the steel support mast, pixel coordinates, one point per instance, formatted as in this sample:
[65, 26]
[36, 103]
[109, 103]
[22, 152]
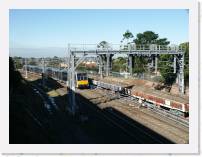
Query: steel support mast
[100, 63]
[105, 57]
[71, 82]
[181, 73]
[156, 64]
[43, 73]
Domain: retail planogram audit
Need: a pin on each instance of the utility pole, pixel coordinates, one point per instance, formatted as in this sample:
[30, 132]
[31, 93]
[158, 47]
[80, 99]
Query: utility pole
[71, 82]
[108, 65]
[100, 61]
[181, 73]
[130, 64]
[156, 64]
[174, 64]
[43, 74]
[25, 67]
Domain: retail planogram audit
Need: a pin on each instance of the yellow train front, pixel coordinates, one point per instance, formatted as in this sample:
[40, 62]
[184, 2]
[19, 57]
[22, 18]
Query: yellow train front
[82, 80]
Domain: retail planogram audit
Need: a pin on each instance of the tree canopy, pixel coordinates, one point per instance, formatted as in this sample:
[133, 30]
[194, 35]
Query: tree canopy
[146, 38]
[185, 46]
[17, 62]
[14, 76]
[150, 37]
[103, 44]
[167, 72]
[119, 64]
[127, 35]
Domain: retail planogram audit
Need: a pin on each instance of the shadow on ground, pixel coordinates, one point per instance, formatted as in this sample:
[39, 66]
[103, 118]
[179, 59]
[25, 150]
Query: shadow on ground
[35, 119]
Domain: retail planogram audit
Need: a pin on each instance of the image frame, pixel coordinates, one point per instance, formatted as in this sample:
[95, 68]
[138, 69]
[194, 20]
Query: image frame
[87, 149]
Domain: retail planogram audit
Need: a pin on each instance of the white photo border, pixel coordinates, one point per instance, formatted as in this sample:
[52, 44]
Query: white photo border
[191, 148]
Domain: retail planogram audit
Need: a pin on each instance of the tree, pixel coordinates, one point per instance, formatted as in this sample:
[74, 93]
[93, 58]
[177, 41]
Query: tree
[18, 62]
[14, 76]
[162, 41]
[166, 70]
[140, 63]
[185, 46]
[127, 35]
[103, 44]
[32, 61]
[54, 62]
[147, 37]
[119, 64]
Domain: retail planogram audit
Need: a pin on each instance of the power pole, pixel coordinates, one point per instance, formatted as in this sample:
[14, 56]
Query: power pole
[130, 64]
[181, 73]
[174, 64]
[43, 73]
[108, 65]
[156, 64]
[25, 67]
[71, 82]
[100, 60]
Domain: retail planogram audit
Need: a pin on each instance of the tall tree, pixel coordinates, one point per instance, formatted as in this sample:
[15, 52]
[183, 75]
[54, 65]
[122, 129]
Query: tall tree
[185, 46]
[18, 62]
[150, 37]
[166, 70]
[127, 35]
[147, 37]
[32, 61]
[162, 41]
[103, 44]
[14, 75]
[119, 64]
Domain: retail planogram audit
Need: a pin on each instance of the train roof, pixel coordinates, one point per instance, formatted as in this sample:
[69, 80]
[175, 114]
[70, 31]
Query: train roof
[161, 94]
[54, 69]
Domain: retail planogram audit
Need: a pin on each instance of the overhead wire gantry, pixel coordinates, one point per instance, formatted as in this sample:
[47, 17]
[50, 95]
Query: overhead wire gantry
[78, 52]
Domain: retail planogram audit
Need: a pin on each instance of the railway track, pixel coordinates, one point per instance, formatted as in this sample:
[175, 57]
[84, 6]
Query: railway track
[143, 133]
[125, 125]
[161, 112]
[123, 98]
[165, 127]
[134, 131]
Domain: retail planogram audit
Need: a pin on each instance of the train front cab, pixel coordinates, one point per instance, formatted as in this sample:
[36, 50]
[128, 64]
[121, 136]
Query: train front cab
[82, 80]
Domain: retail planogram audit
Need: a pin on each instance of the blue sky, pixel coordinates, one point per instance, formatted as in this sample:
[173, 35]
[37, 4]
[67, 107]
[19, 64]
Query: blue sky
[39, 33]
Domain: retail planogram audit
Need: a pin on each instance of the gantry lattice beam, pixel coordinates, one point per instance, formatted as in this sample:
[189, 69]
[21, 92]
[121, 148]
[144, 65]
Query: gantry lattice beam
[127, 52]
[137, 50]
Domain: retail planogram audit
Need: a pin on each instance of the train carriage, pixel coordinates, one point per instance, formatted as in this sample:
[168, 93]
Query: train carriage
[177, 105]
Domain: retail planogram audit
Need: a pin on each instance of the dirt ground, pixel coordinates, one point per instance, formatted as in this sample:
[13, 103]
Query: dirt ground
[137, 82]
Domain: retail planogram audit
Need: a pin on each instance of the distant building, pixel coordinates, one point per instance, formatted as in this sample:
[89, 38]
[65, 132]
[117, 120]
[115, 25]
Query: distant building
[89, 64]
[63, 65]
